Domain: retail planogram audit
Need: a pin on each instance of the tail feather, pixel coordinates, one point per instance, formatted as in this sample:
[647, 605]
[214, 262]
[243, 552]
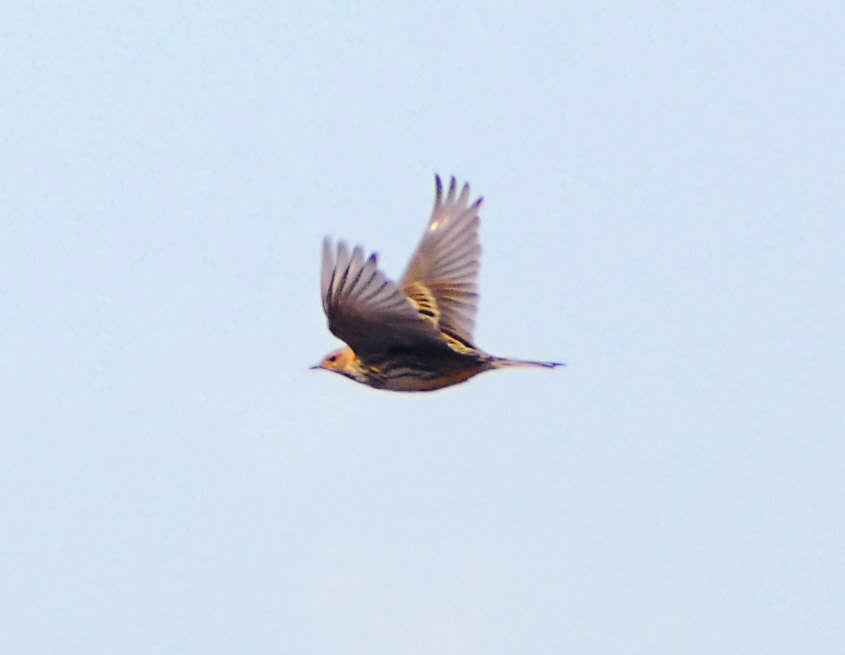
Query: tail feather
[501, 362]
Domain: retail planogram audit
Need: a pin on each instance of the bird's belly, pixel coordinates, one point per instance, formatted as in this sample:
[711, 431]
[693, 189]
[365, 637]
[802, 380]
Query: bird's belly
[415, 375]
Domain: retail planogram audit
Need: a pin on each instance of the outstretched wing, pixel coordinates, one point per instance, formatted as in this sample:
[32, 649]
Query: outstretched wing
[441, 278]
[365, 309]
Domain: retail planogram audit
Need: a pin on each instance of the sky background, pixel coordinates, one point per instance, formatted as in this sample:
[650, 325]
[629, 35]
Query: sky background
[664, 211]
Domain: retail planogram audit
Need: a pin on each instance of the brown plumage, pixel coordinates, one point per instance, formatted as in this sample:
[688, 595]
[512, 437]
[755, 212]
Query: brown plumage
[414, 335]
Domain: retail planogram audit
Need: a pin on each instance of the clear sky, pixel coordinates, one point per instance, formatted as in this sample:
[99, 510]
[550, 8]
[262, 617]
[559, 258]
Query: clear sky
[663, 211]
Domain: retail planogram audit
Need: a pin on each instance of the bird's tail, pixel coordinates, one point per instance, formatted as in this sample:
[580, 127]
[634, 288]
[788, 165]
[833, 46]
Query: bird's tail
[501, 362]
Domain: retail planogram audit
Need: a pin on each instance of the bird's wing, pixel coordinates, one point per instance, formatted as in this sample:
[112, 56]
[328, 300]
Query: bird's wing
[441, 278]
[365, 309]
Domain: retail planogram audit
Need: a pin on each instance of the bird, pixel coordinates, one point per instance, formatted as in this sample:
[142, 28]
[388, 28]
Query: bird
[414, 334]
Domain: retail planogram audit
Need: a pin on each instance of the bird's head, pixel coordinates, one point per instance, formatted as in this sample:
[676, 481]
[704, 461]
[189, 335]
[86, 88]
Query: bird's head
[339, 361]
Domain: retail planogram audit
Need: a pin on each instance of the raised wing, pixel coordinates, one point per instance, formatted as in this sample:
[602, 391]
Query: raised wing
[441, 277]
[365, 309]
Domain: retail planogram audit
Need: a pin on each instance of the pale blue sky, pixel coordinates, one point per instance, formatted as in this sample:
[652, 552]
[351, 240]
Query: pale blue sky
[663, 211]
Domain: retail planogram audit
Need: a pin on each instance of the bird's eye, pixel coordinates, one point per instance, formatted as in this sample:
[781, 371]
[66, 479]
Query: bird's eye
[333, 358]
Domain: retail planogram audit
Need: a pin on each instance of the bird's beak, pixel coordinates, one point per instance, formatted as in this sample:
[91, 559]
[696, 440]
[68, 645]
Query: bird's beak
[316, 366]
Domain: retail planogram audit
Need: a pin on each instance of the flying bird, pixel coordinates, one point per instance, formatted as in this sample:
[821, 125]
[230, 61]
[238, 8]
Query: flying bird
[415, 334]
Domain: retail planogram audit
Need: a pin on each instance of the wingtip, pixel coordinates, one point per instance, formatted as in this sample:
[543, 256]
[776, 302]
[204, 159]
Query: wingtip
[328, 247]
[452, 190]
